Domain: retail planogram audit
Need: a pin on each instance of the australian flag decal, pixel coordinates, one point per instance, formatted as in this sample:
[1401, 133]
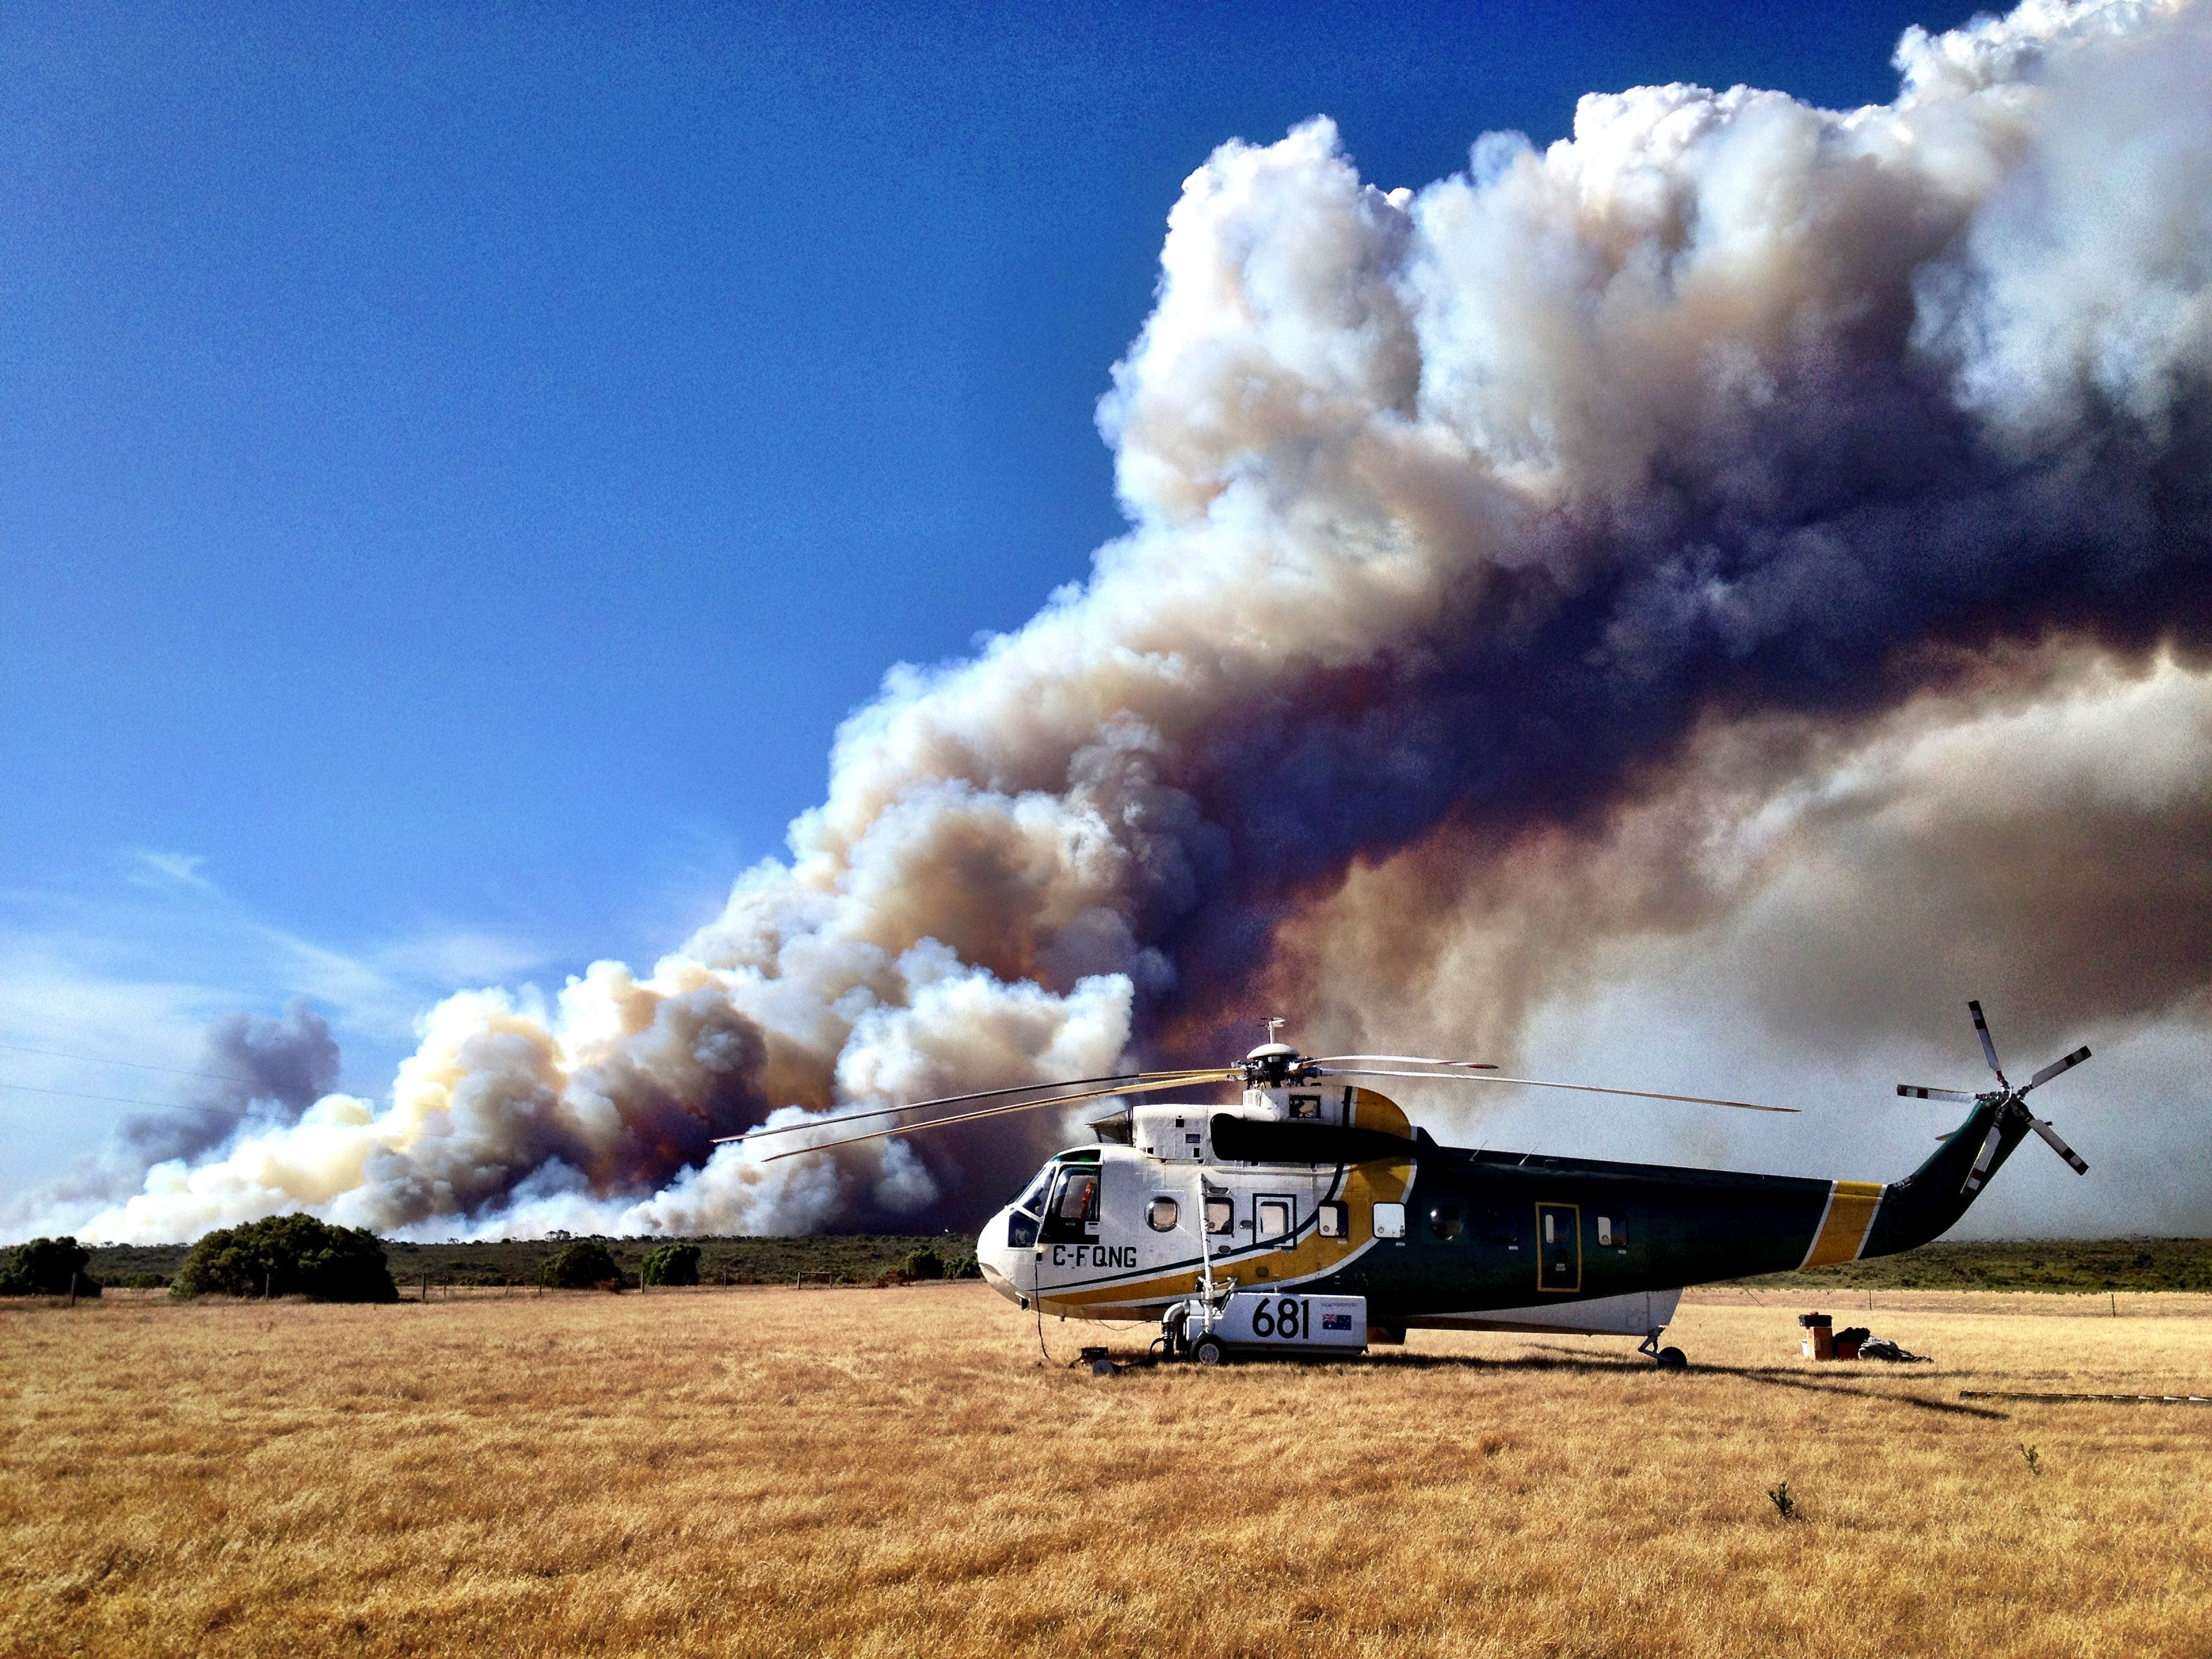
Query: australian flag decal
[1336, 1322]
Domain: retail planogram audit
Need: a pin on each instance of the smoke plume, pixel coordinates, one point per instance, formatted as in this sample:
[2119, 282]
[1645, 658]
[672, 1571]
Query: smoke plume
[1604, 539]
[254, 1075]
[252, 1070]
[2046, 829]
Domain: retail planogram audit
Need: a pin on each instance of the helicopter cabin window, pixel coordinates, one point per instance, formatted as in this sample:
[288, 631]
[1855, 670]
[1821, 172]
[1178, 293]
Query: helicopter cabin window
[1307, 1107]
[1550, 1227]
[1445, 1223]
[1330, 1221]
[1074, 1212]
[1160, 1214]
[1389, 1221]
[1079, 1197]
[1613, 1232]
[1221, 1214]
[1273, 1215]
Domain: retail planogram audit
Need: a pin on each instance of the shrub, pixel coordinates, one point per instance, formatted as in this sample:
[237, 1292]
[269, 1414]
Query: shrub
[925, 1263]
[962, 1266]
[288, 1255]
[47, 1266]
[582, 1265]
[146, 1282]
[670, 1264]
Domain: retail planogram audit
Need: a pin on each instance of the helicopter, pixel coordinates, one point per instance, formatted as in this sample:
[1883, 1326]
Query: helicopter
[1311, 1217]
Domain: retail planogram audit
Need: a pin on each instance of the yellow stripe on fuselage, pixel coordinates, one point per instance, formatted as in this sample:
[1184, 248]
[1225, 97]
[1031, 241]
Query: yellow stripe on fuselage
[1845, 1222]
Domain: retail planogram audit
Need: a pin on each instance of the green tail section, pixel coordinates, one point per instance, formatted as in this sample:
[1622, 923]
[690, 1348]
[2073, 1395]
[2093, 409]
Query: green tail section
[1928, 1202]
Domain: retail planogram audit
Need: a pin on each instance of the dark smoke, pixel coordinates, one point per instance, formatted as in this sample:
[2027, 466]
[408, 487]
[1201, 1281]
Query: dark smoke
[259, 1070]
[2041, 834]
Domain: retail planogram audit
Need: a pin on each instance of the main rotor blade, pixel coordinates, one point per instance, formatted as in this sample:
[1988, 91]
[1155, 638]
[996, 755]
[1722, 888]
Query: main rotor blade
[1916, 1092]
[1405, 1060]
[955, 1100]
[2055, 1066]
[1000, 1111]
[1989, 1049]
[1579, 1088]
[2058, 1146]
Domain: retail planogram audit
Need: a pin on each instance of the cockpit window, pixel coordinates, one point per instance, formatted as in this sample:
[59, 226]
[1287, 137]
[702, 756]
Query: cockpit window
[1033, 1200]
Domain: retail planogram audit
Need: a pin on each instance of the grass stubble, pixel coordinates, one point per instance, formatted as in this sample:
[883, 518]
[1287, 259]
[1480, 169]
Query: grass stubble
[873, 1472]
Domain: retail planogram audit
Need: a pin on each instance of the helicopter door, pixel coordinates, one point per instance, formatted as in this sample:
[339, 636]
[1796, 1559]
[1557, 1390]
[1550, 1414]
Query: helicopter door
[1072, 1216]
[1558, 1247]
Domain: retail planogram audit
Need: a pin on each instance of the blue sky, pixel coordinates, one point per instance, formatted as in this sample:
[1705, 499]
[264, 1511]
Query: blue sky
[459, 465]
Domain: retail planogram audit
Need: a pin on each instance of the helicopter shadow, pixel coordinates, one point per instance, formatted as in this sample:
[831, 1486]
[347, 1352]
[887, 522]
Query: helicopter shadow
[1568, 1362]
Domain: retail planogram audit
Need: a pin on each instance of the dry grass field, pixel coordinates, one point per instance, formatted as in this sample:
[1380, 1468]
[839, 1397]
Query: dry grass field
[898, 1472]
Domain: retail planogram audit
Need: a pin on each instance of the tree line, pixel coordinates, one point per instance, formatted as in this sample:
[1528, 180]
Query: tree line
[301, 1256]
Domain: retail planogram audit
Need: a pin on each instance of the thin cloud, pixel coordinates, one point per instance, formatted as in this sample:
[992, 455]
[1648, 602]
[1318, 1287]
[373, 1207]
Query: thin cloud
[182, 869]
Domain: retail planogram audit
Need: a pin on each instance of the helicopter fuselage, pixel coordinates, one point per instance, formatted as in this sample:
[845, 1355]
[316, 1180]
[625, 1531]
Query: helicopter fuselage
[1328, 1190]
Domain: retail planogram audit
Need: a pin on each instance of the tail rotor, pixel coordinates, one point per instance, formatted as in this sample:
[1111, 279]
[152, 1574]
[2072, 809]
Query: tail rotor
[2010, 1099]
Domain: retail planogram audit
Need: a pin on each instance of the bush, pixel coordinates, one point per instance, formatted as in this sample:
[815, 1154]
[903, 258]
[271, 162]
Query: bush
[583, 1266]
[48, 1266]
[146, 1282]
[962, 1266]
[288, 1255]
[924, 1263]
[670, 1264]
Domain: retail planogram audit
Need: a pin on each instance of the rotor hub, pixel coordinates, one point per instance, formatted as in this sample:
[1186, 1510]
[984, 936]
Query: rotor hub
[1271, 1064]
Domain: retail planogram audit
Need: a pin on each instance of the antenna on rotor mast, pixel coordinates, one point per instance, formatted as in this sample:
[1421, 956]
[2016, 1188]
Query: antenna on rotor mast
[1272, 1023]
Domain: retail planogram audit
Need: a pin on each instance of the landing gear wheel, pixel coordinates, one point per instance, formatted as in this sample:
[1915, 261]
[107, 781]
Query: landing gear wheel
[1208, 1352]
[1672, 1359]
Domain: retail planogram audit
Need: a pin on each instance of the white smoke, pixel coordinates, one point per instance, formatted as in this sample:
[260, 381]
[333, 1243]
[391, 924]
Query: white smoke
[514, 1117]
[1458, 506]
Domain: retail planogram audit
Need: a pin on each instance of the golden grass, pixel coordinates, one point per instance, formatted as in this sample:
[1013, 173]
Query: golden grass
[868, 1473]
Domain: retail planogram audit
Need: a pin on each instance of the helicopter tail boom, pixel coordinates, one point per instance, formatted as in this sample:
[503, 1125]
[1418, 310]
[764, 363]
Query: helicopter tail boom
[1928, 1202]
